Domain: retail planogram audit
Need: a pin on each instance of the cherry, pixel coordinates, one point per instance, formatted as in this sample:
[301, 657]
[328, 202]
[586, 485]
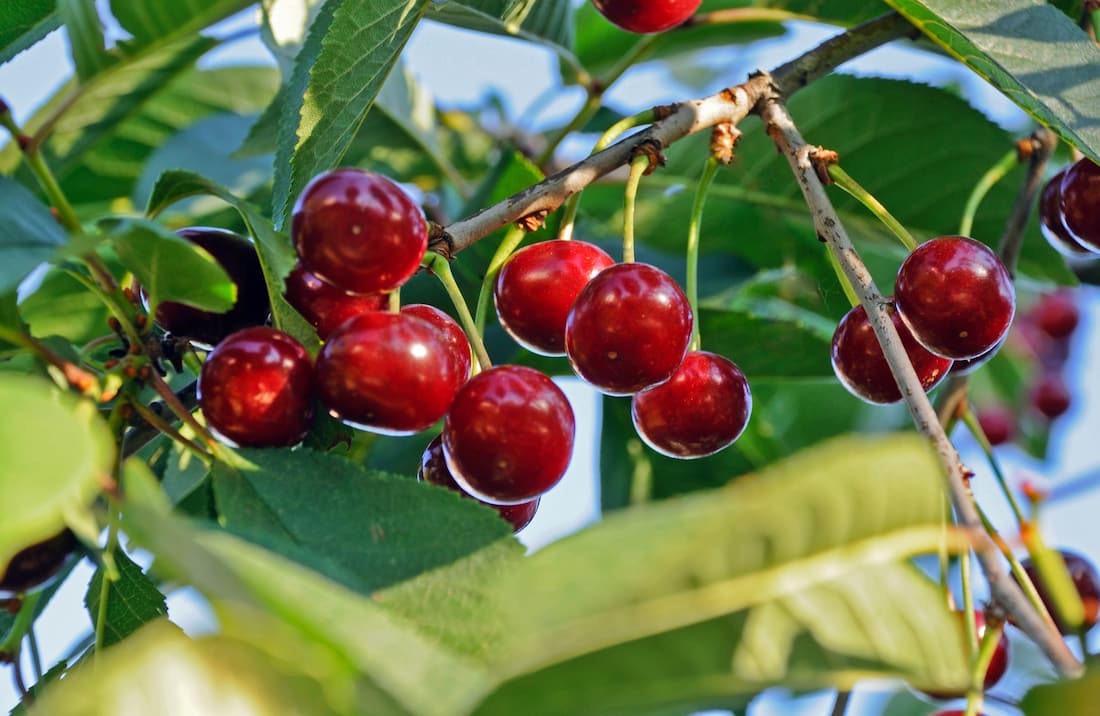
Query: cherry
[1053, 223]
[966, 366]
[34, 566]
[860, 365]
[1056, 315]
[645, 16]
[324, 305]
[956, 296]
[1080, 202]
[628, 329]
[1084, 577]
[998, 424]
[1050, 396]
[954, 712]
[701, 409]
[389, 373]
[255, 389]
[433, 469]
[458, 346]
[537, 286]
[237, 256]
[359, 231]
[508, 437]
[998, 664]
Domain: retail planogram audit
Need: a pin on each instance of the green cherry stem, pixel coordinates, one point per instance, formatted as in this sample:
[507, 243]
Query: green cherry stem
[508, 245]
[36, 657]
[974, 696]
[845, 283]
[393, 301]
[637, 168]
[850, 185]
[24, 618]
[944, 557]
[113, 306]
[968, 603]
[694, 227]
[160, 424]
[110, 573]
[971, 421]
[439, 265]
[997, 172]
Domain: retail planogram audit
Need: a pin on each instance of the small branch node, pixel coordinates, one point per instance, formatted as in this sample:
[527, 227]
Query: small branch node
[440, 241]
[663, 111]
[533, 221]
[652, 150]
[821, 158]
[724, 138]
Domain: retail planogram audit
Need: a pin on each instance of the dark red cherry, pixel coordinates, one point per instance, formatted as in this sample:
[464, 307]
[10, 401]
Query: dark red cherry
[237, 256]
[433, 469]
[998, 664]
[860, 365]
[998, 424]
[537, 286]
[701, 409]
[454, 337]
[33, 566]
[954, 712]
[1050, 396]
[966, 366]
[1053, 223]
[508, 437]
[1080, 202]
[255, 389]
[389, 373]
[1056, 315]
[359, 231]
[1084, 577]
[628, 329]
[956, 296]
[645, 16]
[324, 305]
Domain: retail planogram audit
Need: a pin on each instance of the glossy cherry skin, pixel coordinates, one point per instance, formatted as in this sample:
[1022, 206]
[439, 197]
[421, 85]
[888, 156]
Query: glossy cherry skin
[324, 305]
[998, 424]
[237, 256]
[700, 410]
[1085, 578]
[255, 389]
[33, 566]
[359, 231]
[454, 338]
[1056, 315]
[956, 296]
[1080, 202]
[1053, 223]
[389, 373]
[998, 665]
[860, 365]
[966, 366]
[537, 286]
[508, 437]
[645, 16]
[1050, 396]
[433, 469]
[628, 329]
[954, 712]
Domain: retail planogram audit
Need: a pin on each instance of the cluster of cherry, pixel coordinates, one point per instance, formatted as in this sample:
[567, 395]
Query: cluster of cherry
[1067, 210]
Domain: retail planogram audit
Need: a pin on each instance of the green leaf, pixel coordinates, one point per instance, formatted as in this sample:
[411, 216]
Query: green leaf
[367, 529]
[169, 267]
[63, 306]
[346, 58]
[54, 449]
[276, 253]
[132, 600]
[1028, 49]
[11, 325]
[85, 36]
[31, 235]
[1065, 698]
[284, 26]
[545, 22]
[797, 341]
[151, 22]
[23, 23]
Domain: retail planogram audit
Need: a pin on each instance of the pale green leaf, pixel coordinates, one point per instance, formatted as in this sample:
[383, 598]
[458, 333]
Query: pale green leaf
[31, 235]
[85, 36]
[151, 22]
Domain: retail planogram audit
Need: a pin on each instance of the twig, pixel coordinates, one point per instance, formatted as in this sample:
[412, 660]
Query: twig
[143, 432]
[1043, 143]
[840, 705]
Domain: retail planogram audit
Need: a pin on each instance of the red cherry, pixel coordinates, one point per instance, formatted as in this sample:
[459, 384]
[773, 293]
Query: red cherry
[954, 712]
[537, 286]
[33, 566]
[509, 435]
[359, 231]
[237, 256]
[389, 373]
[1050, 396]
[645, 16]
[628, 329]
[324, 305]
[433, 469]
[860, 365]
[1056, 315]
[255, 389]
[998, 424]
[966, 366]
[701, 409]
[1053, 223]
[1085, 578]
[1080, 202]
[956, 296]
[458, 346]
[998, 664]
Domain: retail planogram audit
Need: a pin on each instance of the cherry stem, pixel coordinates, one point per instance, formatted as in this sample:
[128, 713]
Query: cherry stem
[691, 287]
[850, 185]
[109, 575]
[840, 705]
[997, 172]
[112, 305]
[36, 657]
[439, 265]
[638, 167]
[1043, 144]
[845, 283]
[393, 301]
[24, 618]
[76, 376]
[975, 695]
[17, 678]
[971, 421]
[181, 411]
[162, 426]
[968, 604]
[508, 245]
[944, 558]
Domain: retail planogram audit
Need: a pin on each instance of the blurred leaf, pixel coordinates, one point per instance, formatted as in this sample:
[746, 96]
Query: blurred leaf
[161, 22]
[132, 600]
[10, 322]
[546, 22]
[1028, 49]
[62, 306]
[348, 53]
[31, 235]
[23, 23]
[1065, 698]
[769, 345]
[283, 28]
[85, 36]
[54, 449]
[169, 267]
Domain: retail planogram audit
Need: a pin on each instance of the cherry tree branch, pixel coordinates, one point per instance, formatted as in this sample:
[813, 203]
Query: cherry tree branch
[1005, 592]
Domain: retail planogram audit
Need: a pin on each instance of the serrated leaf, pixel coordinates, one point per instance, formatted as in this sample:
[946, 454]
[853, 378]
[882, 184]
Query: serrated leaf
[132, 600]
[276, 253]
[348, 53]
[85, 36]
[169, 267]
[283, 28]
[63, 306]
[54, 449]
[1028, 49]
[367, 529]
[23, 23]
[152, 22]
[1065, 698]
[31, 235]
